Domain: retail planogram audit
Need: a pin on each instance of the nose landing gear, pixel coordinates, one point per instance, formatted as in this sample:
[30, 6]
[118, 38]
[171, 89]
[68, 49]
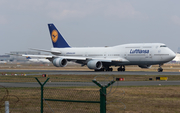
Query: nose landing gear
[160, 69]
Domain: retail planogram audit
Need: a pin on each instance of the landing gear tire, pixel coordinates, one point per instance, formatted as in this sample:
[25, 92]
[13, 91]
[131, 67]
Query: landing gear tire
[160, 69]
[109, 69]
[121, 68]
[102, 69]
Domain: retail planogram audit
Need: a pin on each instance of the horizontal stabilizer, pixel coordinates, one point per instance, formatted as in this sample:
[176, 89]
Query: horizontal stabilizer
[42, 56]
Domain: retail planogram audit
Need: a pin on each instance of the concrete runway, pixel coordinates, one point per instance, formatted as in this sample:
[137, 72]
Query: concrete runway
[60, 72]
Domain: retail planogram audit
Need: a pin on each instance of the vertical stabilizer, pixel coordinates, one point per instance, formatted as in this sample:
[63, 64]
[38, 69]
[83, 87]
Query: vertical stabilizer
[27, 57]
[57, 39]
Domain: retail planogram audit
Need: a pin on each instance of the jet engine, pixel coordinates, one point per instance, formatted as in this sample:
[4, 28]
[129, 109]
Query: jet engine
[94, 64]
[145, 66]
[59, 62]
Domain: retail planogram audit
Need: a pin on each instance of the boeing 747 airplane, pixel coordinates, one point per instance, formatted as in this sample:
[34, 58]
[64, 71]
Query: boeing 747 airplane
[102, 58]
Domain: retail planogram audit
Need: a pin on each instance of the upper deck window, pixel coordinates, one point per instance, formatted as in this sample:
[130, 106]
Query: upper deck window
[163, 46]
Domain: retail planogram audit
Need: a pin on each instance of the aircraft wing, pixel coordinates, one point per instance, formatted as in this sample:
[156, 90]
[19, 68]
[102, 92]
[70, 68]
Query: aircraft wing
[55, 52]
[99, 59]
[54, 56]
[119, 59]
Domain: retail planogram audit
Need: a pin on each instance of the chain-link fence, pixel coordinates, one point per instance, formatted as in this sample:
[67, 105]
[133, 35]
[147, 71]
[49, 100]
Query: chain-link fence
[73, 98]
[24, 95]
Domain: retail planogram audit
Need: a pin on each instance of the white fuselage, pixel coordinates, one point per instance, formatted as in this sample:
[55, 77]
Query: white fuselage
[135, 54]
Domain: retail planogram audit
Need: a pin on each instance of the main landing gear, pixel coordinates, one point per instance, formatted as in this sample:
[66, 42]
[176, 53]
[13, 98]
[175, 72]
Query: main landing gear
[160, 69]
[104, 69]
[109, 69]
[121, 68]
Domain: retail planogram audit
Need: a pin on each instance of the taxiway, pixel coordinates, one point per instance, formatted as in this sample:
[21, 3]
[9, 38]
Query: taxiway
[82, 84]
[60, 72]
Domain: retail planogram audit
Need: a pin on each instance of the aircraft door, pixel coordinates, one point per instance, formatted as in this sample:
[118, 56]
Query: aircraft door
[125, 55]
[159, 52]
[86, 54]
[149, 56]
[105, 55]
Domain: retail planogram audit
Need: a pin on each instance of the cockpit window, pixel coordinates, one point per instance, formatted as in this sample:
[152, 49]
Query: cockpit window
[163, 46]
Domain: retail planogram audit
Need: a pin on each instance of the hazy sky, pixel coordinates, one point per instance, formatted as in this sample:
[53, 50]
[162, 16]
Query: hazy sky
[23, 23]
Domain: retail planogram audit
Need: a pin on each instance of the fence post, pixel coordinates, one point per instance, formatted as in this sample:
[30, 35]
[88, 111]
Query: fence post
[42, 86]
[103, 95]
[6, 106]
[103, 100]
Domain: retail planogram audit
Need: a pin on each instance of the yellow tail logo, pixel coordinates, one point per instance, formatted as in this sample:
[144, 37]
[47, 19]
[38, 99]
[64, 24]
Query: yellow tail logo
[54, 36]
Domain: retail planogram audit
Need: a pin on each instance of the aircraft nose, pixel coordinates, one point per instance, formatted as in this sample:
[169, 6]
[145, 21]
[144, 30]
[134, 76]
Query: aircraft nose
[172, 55]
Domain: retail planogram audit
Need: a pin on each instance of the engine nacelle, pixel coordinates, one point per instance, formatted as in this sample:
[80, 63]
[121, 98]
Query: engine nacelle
[145, 66]
[94, 64]
[59, 62]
